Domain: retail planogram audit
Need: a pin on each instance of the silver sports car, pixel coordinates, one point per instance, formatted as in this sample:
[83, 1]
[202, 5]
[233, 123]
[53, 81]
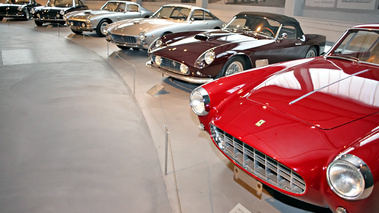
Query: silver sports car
[111, 11]
[172, 18]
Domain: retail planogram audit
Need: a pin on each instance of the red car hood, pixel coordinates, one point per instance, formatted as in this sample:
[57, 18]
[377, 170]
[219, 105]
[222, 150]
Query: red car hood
[283, 116]
[321, 94]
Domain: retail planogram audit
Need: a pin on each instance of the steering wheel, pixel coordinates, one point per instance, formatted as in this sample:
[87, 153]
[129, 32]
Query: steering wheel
[268, 31]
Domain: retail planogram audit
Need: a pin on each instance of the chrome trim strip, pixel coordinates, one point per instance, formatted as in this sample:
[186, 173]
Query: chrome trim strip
[190, 79]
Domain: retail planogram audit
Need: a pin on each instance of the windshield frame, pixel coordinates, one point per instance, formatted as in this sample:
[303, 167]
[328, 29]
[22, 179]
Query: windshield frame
[343, 48]
[258, 31]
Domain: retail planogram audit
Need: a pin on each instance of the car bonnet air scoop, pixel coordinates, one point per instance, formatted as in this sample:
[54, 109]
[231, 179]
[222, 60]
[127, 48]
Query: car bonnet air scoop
[202, 36]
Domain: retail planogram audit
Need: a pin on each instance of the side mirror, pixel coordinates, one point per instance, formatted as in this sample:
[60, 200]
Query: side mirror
[282, 37]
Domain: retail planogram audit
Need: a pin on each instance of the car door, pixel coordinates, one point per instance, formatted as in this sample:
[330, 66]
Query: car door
[286, 46]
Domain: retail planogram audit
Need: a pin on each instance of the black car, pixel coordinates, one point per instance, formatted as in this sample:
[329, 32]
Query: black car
[54, 11]
[19, 9]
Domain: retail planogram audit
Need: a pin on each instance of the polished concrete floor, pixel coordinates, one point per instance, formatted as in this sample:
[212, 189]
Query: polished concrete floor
[84, 126]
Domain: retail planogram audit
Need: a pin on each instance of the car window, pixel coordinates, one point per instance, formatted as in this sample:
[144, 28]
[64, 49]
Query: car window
[121, 7]
[362, 45]
[172, 12]
[77, 2]
[198, 15]
[208, 16]
[133, 8]
[289, 30]
[17, 2]
[237, 23]
[254, 25]
[110, 6]
[60, 3]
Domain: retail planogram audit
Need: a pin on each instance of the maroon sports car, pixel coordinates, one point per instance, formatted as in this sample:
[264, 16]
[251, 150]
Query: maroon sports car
[308, 128]
[249, 40]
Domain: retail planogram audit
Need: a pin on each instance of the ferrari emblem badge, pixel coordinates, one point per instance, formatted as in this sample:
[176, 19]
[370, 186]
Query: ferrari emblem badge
[260, 123]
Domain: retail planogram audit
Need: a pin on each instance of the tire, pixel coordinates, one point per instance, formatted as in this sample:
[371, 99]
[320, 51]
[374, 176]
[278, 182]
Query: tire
[77, 32]
[38, 23]
[234, 65]
[27, 15]
[312, 52]
[100, 27]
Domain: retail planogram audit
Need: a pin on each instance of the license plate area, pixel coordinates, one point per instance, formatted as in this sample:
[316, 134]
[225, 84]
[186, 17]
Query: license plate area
[239, 174]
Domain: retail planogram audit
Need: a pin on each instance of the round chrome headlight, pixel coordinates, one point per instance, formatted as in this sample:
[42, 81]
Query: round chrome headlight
[158, 60]
[205, 59]
[199, 101]
[61, 12]
[32, 11]
[19, 8]
[142, 36]
[183, 69]
[350, 178]
[209, 56]
[158, 43]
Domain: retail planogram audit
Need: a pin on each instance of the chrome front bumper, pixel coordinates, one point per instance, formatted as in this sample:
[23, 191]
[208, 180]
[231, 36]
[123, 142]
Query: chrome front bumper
[191, 79]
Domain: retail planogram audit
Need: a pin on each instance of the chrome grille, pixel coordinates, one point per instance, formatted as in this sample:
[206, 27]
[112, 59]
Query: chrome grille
[124, 39]
[77, 23]
[168, 64]
[258, 163]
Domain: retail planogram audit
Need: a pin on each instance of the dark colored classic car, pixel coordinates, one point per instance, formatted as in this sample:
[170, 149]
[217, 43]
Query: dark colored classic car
[249, 40]
[308, 128]
[54, 11]
[172, 18]
[111, 11]
[19, 9]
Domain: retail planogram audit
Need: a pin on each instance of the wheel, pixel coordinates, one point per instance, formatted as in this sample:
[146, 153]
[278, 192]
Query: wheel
[38, 23]
[312, 52]
[234, 65]
[26, 15]
[100, 27]
[77, 32]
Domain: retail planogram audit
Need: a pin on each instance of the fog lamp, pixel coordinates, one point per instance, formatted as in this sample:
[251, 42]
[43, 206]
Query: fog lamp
[142, 36]
[183, 69]
[341, 210]
[158, 60]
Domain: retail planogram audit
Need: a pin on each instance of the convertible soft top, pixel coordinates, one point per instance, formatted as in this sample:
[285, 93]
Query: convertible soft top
[285, 20]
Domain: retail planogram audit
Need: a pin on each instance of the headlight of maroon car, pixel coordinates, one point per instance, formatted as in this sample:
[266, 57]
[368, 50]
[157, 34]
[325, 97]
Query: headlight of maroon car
[350, 178]
[205, 59]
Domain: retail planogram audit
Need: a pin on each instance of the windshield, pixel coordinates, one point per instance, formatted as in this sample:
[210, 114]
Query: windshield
[60, 3]
[114, 7]
[172, 12]
[359, 45]
[17, 2]
[254, 25]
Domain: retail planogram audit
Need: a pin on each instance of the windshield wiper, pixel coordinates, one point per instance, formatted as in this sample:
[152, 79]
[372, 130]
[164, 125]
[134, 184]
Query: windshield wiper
[344, 57]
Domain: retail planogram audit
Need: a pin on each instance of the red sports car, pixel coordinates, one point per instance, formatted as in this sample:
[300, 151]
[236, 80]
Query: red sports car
[250, 39]
[308, 128]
